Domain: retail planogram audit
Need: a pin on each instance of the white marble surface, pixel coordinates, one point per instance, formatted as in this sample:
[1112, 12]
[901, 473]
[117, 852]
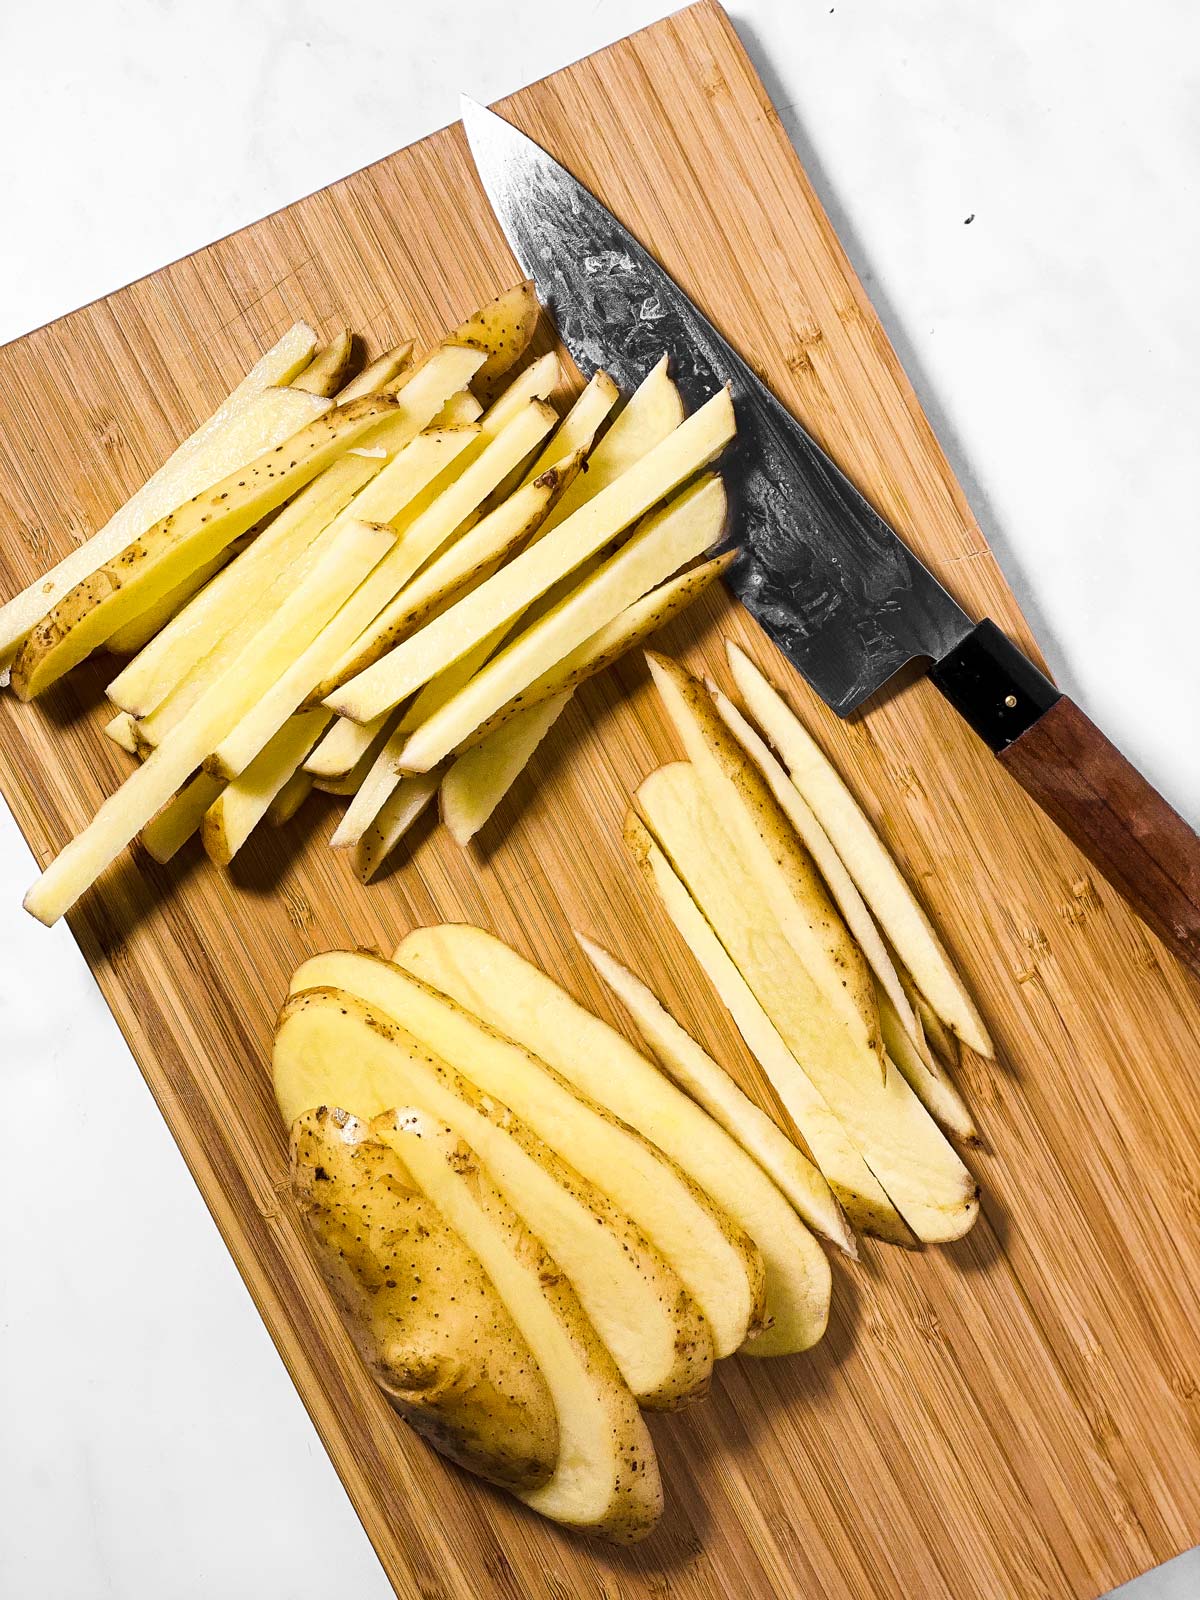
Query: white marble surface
[150, 1442]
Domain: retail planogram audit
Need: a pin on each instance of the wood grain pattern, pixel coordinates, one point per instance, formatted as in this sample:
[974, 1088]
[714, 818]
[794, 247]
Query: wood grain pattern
[1140, 843]
[1018, 1415]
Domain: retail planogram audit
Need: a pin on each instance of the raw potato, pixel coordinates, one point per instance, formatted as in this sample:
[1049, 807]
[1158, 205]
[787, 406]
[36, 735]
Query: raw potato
[925, 1077]
[501, 329]
[121, 731]
[606, 1480]
[138, 631]
[851, 1180]
[343, 747]
[579, 427]
[353, 780]
[495, 983]
[459, 411]
[597, 523]
[392, 821]
[923, 1176]
[880, 881]
[639, 1307]
[180, 818]
[782, 869]
[148, 789]
[182, 541]
[694, 1070]
[331, 367]
[289, 799]
[667, 540]
[481, 777]
[419, 1307]
[377, 374]
[242, 804]
[255, 417]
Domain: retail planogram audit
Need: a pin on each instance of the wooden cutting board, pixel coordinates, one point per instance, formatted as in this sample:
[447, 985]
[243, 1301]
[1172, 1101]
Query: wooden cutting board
[1016, 1416]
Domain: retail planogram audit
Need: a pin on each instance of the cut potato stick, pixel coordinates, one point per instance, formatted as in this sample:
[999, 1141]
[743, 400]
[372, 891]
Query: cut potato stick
[480, 778]
[693, 1069]
[239, 431]
[900, 1142]
[501, 329]
[925, 1078]
[880, 881]
[828, 863]
[242, 804]
[289, 799]
[379, 783]
[937, 1035]
[666, 541]
[580, 425]
[503, 597]
[181, 817]
[392, 821]
[331, 367]
[537, 381]
[121, 731]
[350, 782]
[340, 751]
[853, 1183]
[185, 539]
[517, 998]
[148, 789]
[377, 374]
[138, 631]
[781, 867]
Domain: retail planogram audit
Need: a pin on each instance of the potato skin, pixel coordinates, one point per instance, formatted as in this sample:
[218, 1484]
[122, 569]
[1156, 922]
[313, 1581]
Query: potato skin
[502, 329]
[420, 1309]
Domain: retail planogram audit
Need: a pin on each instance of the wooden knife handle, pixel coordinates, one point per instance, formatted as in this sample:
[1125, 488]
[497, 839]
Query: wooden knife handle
[1061, 759]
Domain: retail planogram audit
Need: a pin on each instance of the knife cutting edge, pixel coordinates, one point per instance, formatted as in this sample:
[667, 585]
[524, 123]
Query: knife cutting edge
[829, 581]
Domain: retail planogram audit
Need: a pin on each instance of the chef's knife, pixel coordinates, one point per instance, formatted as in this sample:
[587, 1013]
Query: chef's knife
[841, 594]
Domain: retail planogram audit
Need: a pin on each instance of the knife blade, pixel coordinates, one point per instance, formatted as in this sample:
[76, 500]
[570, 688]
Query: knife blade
[829, 581]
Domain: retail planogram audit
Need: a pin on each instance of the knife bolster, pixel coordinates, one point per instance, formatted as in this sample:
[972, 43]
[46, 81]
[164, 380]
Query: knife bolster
[993, 686]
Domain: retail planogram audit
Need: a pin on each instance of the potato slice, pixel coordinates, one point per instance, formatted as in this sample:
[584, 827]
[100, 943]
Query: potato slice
[596, 524]
[181, 817]
[459, 411]
[923, 1176]
[332, 366]
[708, 1251]
[392, 821]
[501, 329]
[120, 730]
[606, 1480]
[537, 381]
[925, 1077]
[343, 747]
[668, 539]
[639, 1307]
[693, 1069]
[377, 374]
[348, 559]
[379, 783]
[289, 799]
[353, 780]
[182, 541]
[782, 868]
[520, 1001]
[853, 1183]
[575, 432]
[138, 631]
[480, 778]
[242, 804]
[419, 1307]
[880, 881]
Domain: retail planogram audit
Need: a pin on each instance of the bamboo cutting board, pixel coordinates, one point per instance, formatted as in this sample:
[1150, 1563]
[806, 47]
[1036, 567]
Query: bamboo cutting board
[1016, 1416]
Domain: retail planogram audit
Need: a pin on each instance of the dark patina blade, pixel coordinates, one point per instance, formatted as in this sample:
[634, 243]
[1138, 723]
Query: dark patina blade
[836, 589]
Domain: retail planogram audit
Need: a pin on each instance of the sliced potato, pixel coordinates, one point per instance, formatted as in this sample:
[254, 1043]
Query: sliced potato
[501, 329]
[880, 881]
[537, 381]
[925, 1077]
[668, 539]
[419, 1306]
[495, 983]
[120, 729]
[392, 821]
[479, 779]
[181, 817]
[606, 1480]
[289, 799]
[459, 411]
[922, 1174]
[148, 789]
[353, 780]
[331, 366]
[853, 1183]
[138, 631]
[377, 374]
[693, 1069]
[242, 804]
[575, 432]
[345, 744]
[636, 1302]
[713, 1256]
[597, 523]
[782, 868]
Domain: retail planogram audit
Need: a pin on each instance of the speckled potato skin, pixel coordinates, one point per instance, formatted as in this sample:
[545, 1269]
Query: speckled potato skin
[502, 329]
[331, 367]
[419, 1307]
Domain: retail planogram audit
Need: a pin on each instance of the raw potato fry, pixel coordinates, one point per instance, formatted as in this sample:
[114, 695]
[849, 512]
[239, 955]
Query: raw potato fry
[639, 1307]
[182, 541]
[480, 778]
[377, 374]
[289, 799]
[793, 1173]
[881, 883]
[904, 1148]
[330, 368]
[707, 1249]
[668, 539]
[937, 1035]
[606, 1480]
[379, 783]
[501, 329]
[580, 425]
[392, 821]
[343, 747]
[149, 788]
[242, 804]
[181, 817]
[239, 431]
[495, 983]
[139, 630]
[350, 783]
[421, 1311]
[459, 411]
[829, 864]
[851, 1180]
[690, 448]
[925, 1078]
[121, 731]
[537, 381]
